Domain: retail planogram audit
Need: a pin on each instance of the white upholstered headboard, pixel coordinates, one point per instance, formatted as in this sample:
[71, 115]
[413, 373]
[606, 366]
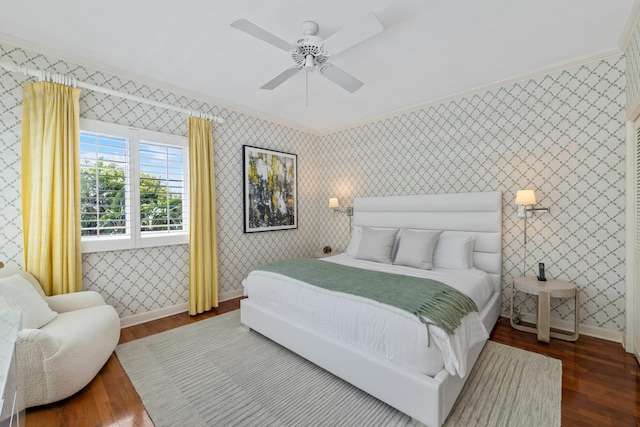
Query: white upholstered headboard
[469, 213]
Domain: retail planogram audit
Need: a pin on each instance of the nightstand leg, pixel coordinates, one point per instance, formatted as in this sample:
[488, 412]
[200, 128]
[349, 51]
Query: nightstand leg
[513, 324]
[544, 307]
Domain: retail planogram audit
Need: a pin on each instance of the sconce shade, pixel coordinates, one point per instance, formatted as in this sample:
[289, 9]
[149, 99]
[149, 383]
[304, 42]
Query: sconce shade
[333, 203]
[525, 197]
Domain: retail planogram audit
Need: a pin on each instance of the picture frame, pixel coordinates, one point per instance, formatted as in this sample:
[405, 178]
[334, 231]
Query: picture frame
[270, 186]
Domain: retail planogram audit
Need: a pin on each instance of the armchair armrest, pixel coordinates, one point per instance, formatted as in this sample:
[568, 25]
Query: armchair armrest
[37, 345]
[74, 301]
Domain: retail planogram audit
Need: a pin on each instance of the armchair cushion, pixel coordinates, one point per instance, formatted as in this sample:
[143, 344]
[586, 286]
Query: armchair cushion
[17, 293]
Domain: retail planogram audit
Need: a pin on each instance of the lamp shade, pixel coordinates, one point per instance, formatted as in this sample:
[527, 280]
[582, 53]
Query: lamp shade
[525, 197]
[333, 203]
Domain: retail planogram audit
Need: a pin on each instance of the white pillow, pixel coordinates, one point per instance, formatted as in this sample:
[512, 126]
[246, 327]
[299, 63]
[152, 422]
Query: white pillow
[416, 248]
[377, 244]
[354, 244]
[454, 251]
[17, 293]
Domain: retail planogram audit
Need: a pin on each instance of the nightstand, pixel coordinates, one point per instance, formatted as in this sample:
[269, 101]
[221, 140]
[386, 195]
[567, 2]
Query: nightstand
[321, 254]
[552, 288]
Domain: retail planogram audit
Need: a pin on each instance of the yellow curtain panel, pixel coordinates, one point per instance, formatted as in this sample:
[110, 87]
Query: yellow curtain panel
[203, 242]
[51, 186]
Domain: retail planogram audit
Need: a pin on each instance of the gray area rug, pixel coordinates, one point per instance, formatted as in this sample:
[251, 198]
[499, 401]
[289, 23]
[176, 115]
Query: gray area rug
[216, 372]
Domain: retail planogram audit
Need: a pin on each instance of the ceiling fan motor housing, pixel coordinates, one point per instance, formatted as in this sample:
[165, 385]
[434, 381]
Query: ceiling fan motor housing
[309, 45]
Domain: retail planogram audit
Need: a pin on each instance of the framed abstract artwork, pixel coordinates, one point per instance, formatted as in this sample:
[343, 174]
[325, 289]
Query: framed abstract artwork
[270, 190]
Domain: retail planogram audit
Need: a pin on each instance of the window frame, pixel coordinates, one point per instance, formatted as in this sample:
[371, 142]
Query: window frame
[134, 237]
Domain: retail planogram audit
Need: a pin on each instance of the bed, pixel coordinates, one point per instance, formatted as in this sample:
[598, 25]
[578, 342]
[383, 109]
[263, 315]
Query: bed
[382, 350]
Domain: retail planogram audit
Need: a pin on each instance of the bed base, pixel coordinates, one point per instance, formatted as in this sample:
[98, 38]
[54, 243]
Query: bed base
[426, 399]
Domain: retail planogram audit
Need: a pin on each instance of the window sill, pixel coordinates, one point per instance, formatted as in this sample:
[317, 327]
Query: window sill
[110, 244]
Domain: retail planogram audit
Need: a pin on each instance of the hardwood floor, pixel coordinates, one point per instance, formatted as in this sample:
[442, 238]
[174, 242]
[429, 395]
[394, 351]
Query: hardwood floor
[600, 381]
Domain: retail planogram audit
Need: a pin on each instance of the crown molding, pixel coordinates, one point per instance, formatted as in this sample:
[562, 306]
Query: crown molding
[630, 26]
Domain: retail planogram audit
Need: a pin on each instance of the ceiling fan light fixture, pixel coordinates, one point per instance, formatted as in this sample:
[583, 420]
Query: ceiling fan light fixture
[308, 62]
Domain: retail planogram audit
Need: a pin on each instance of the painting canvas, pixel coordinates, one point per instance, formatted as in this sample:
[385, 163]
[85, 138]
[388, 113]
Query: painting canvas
[270, 190]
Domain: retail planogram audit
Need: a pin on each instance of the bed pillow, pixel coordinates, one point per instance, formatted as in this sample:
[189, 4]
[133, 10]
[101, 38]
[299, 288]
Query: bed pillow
[416, 248]
[377, 244]
[354, 243]
[17, 293]
[454, 251]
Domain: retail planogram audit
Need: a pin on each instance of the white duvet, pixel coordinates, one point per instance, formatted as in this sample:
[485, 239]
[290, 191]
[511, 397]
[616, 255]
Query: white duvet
[389, 332]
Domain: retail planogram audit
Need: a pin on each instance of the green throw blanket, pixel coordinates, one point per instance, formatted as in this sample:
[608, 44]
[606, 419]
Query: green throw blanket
[443, 305]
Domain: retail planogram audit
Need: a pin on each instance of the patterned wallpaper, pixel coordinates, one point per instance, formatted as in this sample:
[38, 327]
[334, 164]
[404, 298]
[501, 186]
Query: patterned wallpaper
[561, 134]
[143, 280]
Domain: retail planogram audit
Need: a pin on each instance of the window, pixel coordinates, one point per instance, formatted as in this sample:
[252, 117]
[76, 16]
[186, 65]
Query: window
[134, 187]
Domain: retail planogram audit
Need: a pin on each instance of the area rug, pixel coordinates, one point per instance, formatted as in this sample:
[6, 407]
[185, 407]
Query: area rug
[217, 372]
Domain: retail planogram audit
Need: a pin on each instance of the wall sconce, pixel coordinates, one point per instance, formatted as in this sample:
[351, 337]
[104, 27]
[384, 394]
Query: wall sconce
[335, 205]
[526, 200]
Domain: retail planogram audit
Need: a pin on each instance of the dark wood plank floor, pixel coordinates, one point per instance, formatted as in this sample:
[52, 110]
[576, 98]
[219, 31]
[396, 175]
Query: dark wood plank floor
[600, 381]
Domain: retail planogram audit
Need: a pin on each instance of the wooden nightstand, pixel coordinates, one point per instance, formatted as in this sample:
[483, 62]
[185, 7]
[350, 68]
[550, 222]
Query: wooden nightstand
[552, 288]
[321, 254]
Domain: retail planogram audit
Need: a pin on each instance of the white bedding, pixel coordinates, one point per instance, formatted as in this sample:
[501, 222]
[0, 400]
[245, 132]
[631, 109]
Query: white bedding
[379, 328]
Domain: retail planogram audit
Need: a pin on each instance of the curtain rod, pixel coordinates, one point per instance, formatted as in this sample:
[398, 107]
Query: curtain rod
[69, 81]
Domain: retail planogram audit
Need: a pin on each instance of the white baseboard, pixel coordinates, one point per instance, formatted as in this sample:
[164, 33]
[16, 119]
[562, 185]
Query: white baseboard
[148, 316]
[590, 331]
[231, 295]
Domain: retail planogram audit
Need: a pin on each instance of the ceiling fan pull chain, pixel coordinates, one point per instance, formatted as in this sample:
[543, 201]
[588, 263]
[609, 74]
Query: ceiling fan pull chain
[306, 96]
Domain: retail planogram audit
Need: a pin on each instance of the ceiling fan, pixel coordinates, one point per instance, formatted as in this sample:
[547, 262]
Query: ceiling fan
[312, 52]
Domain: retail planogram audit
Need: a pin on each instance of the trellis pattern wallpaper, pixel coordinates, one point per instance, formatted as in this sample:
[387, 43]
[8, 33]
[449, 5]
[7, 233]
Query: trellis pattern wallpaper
[561, 134]
[144, 280]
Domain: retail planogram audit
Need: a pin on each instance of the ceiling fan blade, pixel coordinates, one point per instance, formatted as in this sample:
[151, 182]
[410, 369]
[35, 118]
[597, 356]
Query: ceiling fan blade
[262, 34]
[351, 35]
[339, 77]
[280, 78]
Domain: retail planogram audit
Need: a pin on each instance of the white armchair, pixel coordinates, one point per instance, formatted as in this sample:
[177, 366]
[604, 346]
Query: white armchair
[65, 339]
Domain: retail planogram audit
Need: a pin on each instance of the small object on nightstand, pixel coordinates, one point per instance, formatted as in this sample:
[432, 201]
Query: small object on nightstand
[541, 277]
[323, 254]
[326, 249]
[551, 288]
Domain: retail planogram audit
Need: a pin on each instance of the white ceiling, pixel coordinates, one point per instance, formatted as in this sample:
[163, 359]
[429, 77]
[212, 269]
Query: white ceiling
[429, 50]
